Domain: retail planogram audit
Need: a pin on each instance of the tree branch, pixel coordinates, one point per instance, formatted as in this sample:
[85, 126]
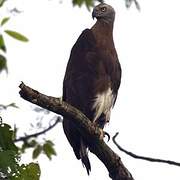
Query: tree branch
[90, 132]
[143, 157]
[26, 137]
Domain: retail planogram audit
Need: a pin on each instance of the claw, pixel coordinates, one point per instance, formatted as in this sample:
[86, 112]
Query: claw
[103, 134]
[108, 136]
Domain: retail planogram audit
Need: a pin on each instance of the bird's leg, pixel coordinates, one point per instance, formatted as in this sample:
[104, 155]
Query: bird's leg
[100, 122]
[103, 134]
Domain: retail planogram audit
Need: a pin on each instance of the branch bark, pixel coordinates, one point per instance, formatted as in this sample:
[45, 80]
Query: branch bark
[91, 133]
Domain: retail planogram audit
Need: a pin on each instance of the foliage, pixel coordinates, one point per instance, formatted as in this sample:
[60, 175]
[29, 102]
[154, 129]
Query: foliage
[3, 63]
[47, 148]
[10, 166]
[2, 2]
[90, 3]
[16, 35]
[3, 49]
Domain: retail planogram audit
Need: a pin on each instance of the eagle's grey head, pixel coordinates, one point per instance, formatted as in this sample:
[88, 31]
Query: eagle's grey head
[104, 12]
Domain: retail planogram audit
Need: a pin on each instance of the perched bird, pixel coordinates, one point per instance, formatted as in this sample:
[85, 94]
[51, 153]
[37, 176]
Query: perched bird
[92, 78]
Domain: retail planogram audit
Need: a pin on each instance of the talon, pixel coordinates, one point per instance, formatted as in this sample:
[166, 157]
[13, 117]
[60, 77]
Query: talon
[107, 134]
[104, 134]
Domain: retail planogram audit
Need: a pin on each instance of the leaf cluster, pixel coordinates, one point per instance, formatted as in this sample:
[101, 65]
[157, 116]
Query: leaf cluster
[10, 167]
[88, 3]
[3, 48]
[47, 148]
[2, 2]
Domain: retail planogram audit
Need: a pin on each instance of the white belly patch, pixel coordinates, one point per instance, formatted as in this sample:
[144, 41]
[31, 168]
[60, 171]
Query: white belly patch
[102, 104]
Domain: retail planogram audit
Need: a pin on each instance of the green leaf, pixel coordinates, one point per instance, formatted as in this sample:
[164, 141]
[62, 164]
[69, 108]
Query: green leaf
[89, 4]
[32, 143]
[2, 2]
[37, 151]
[49, 149]
[29, 172]
[2, 44]
[28, 144]
[9, 155]
[10, 158]
[16, 35]
[8, 161]
[49, 142]
[23, 148]
[78, 2]
[3, 63]
[4, 20]
[6, 138]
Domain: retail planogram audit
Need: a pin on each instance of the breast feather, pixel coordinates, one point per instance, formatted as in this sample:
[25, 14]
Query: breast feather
[103, 103]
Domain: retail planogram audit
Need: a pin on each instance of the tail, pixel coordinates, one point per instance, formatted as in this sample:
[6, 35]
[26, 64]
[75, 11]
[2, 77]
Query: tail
[84, 157]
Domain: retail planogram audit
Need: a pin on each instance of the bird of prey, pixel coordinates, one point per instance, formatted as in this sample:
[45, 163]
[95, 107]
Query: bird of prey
[92, 78]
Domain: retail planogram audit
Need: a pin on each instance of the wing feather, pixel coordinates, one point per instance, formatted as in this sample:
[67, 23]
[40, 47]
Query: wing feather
[90, 71]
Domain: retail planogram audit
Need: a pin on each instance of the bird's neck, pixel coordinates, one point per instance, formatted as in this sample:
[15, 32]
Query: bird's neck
[103, 33]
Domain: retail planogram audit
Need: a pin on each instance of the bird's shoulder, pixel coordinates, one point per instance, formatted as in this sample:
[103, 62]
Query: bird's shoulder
[85, 42]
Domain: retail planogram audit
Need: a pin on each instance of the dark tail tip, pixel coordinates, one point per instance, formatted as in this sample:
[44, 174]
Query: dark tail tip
[84, 156]
[86, 163]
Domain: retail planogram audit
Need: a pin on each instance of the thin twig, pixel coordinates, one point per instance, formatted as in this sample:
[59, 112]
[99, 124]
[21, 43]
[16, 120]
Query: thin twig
[25, 138]
[143, 157]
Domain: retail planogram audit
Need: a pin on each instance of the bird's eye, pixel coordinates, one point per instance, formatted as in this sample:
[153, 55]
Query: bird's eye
[103, 9]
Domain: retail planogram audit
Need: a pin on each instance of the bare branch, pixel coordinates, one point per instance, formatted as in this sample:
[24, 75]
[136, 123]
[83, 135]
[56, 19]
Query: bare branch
[90, 132]
[143, 157]
[25, 138]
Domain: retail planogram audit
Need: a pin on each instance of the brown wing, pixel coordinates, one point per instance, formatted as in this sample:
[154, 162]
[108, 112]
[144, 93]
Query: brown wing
[80, 73]
[78, 90]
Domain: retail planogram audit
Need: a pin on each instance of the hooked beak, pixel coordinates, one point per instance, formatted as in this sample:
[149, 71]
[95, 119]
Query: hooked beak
[94, 14]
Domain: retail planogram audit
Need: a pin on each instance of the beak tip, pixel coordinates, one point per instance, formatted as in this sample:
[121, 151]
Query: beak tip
[93, 15]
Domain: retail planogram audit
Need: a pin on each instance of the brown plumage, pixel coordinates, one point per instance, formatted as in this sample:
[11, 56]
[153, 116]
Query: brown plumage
[92, 78]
